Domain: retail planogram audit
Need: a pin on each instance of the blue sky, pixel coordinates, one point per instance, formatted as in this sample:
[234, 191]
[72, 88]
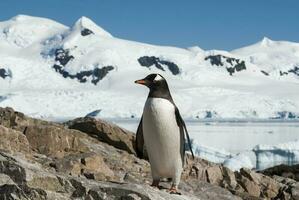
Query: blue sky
[217, 24]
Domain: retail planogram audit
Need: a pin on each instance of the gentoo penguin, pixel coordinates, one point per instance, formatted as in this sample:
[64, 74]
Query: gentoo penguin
[161, 130]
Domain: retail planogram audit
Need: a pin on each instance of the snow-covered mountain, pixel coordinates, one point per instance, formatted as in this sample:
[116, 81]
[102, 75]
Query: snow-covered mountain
[49, 70]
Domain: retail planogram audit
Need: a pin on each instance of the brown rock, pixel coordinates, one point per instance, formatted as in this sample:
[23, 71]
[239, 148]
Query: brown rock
[229, 178]
[214, 175]
[50, 183]
[18, 121]
[250, 187]
[70, 164]
[9, 118]
[5, 180]
[204, 190]
[269, 186]
[105, 132]
[196, 168]
[284, 171]
[94, 163]
[54, 141]
[90, 165]
[295, 191]
[251, 175]
[13, 141]
[61, 152]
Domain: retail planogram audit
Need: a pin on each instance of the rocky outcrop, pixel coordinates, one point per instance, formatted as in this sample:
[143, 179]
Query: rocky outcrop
[18, 121]
[86, 32]
[13, 141]
[104, 132]
[92, 159]
[5, 73]
[247, 184]
[55, 141]
[294, 70]
[21, 179]
[63, 57]
[232, 65]
[286, 171]
[285, 115]
[148, 61]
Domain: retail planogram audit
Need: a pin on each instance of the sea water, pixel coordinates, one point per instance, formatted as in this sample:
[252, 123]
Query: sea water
[233, 137]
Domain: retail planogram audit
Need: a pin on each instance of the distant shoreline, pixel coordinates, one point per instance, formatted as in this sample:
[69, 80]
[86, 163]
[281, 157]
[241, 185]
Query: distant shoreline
[224, 120]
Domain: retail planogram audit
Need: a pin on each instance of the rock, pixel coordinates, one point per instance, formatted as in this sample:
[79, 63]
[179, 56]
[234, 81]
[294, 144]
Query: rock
[86, 32]
[49, 183]
[250, 187]
[284, 171]
[55, 141]
[214, 175]
[95, 164]
[105, 132]
[46, 160]
[203, 190]
[251, 175]
[39, 184]
[90, 165]
[26, 180]
[229, 178]
[5, 180]
[5, 73]
[8, 168]
[295, 191]
[13, 141]
[18, 121]
[8, 117]
[62, 58]
[21, 192]
[196, 168]
[108, 190]
[270, 188]
[148, 61]
[232, 65]
[258, 184]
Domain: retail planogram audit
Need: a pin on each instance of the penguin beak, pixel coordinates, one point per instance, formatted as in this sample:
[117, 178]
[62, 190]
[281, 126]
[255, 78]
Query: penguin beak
[141, 81]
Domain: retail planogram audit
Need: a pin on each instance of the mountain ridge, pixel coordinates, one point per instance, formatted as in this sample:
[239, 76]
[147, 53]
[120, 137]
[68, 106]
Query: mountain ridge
[49, 63]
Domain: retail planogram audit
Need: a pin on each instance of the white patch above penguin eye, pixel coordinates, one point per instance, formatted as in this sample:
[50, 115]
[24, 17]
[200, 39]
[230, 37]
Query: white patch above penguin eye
[158, 77]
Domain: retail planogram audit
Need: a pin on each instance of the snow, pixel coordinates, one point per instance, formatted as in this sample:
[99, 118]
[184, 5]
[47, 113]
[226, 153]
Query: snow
[238, 161]
[85, 22]
[200, 90]
[23, 31]
[284, 153]
[272, 56]
[211, 154]
[232, 161]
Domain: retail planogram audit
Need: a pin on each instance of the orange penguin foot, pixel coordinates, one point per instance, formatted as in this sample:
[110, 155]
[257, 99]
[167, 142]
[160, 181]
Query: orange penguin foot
[174, 190]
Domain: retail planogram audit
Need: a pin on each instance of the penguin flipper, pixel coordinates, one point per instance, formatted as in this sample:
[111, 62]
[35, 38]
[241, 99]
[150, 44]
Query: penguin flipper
[139, 141]
[183, 131]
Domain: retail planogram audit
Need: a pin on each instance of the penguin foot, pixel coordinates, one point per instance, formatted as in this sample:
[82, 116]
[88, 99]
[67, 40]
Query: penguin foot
[173, 190]
[156, 184]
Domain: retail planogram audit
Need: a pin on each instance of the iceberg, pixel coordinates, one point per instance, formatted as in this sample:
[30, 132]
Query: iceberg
[271, 155]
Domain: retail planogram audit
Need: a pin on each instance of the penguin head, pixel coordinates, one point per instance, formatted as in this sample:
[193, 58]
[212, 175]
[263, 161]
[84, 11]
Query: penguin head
[157, 85]
[153, 81]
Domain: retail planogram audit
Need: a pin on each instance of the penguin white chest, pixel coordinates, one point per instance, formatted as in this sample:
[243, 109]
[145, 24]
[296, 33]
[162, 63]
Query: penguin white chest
[162, 138]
